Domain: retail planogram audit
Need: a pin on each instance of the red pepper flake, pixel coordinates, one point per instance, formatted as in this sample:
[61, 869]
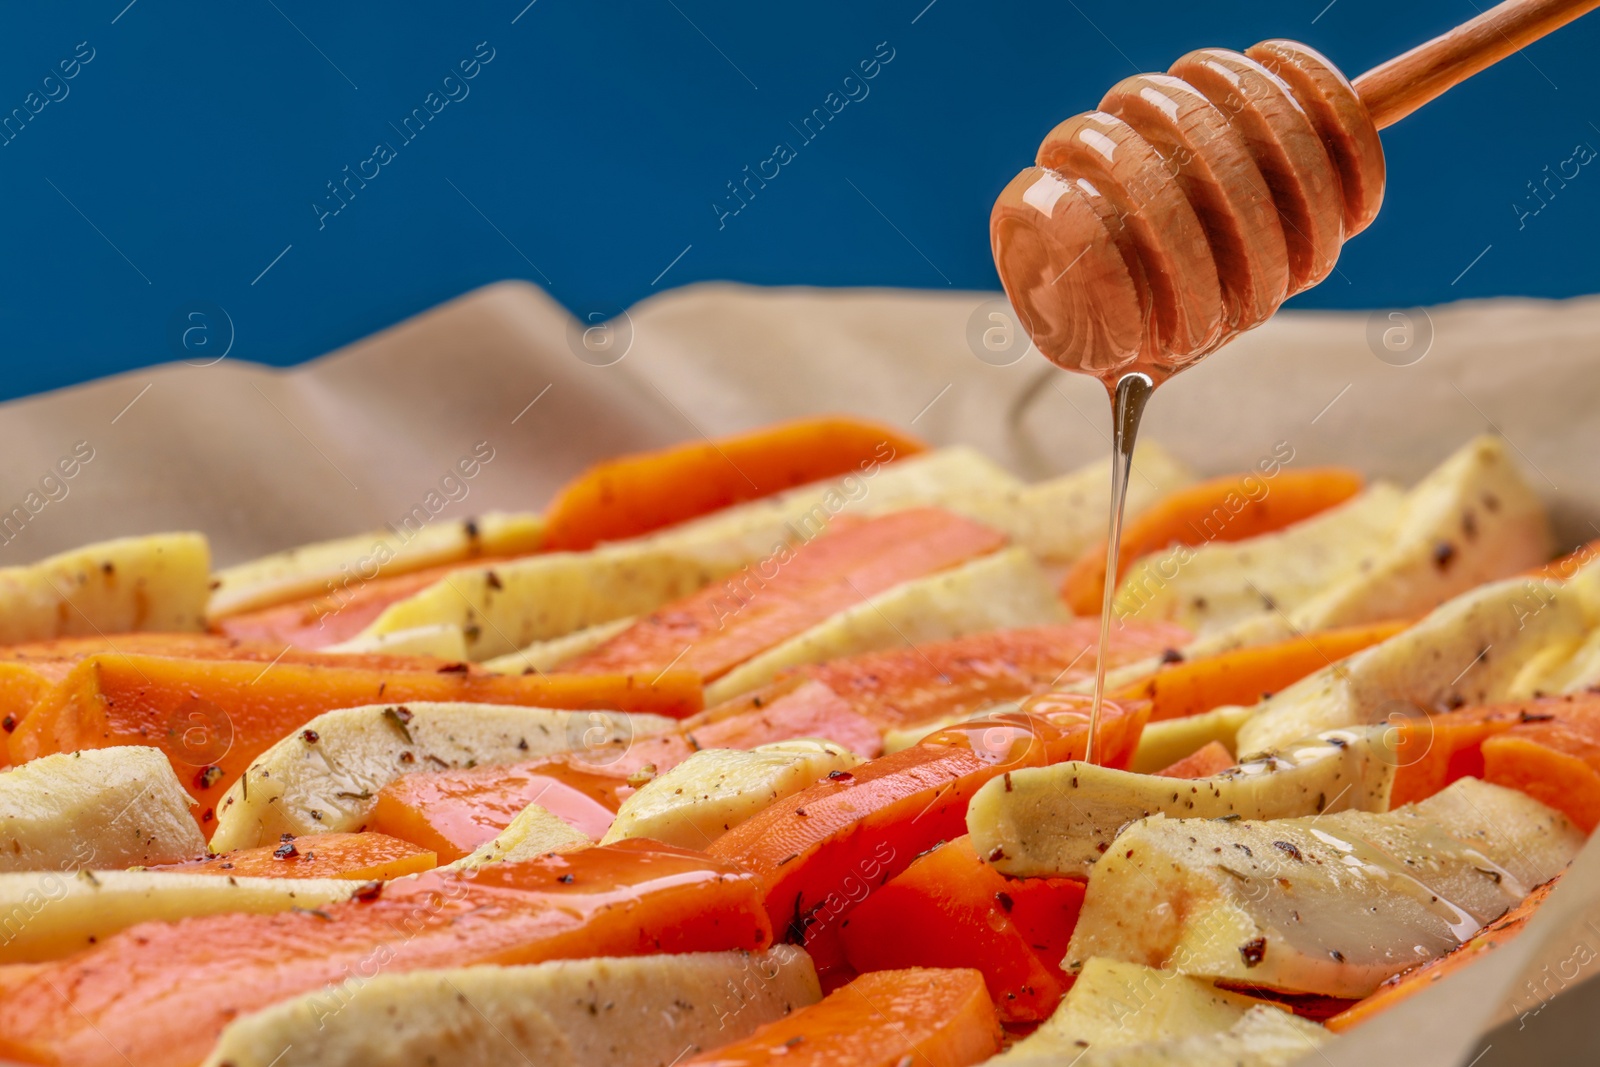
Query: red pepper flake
[1253, 951]
[406, 757]
[1005, 900]
[367, 892]
[453, 668]
[285, 849]
[208, 815]
[9, 724]
[310, 737]
[207, 776]
[840, 776]
[565, 879]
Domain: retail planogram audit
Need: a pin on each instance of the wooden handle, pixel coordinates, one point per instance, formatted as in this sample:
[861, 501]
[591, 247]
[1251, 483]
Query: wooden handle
[1395, 89]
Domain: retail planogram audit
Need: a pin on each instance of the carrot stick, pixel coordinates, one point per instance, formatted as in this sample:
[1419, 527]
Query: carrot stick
[157, 994]
[1548, 770]
[821, 852]
[1431, 751]
[1245, 675]
[910, 1018]
[212, 717]
[718, 628]
[1231, 508]
[362, 857]
[636, 494]
[1409, 984]
[1013, 930]
[905, 686]
[1214, 758]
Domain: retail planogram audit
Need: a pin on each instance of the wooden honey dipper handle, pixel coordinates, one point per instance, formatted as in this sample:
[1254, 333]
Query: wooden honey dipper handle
[1395, 89]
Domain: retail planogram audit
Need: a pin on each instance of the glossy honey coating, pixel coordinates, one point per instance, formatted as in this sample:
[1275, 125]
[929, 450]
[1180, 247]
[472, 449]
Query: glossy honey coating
[1187, 208]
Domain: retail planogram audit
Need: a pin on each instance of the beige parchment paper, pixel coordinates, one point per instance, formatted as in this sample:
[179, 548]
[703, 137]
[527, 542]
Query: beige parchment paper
[261, 459]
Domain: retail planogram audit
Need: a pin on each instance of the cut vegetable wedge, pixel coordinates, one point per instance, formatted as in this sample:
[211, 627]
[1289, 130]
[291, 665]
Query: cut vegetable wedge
[722, 626]
[822, 851]
[636, 494]
[213, 718]
[1404, 986]
[950, 909]
[1552, 753]
[930, 1018]
[361, 857]
[158, 994]
[1214, 758]
[1230, 508]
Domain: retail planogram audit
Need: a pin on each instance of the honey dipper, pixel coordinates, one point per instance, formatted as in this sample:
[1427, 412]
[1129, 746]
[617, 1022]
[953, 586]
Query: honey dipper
[1193, 203]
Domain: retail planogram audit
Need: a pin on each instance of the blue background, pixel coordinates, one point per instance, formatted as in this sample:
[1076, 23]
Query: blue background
[187, 155]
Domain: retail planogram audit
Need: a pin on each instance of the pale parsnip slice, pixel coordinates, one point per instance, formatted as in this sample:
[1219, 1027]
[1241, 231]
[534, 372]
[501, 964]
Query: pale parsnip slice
[998, 591]
[1469, 651]
[1264, 1036]
[1217, 585]
[508, 606]
[441, 641]
[1114, 1004]
[549, 655]
[1059, 820]
[534, 832]
[1164, 743]
[1332, 904]
[157, 583]
[716, 789]
[323, 778]
[107, 807]
[638, 1012]
[310, 570]
[45, 915]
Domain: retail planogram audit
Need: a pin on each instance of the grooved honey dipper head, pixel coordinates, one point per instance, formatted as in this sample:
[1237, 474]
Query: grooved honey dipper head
[1187, 208]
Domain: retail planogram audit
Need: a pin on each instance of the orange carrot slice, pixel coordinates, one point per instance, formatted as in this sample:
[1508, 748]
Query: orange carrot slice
[213, 717]
[1556, 761]
[362, 857]
[636, 494]
[925, 1018]
[339, 614]
[822, 851]
[1431, 751]
[718, 628]
[1231, 508]
[1214, 758]
[905, 686]
[1404, 986]
[453, 812]
[1245, 675]
[157, 994]
[1013, 930]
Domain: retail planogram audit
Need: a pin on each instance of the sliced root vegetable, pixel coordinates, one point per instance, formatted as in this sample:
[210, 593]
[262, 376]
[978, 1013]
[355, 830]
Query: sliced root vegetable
[1232, 508]
[533, 833]
[1432, 751]
[722, 626]
[937, 1018]
[547, 1014]
[1246, 675]
[362, 857]
[212, 718]
[457, 811]
[636, 494]
[1059, 820]
[54, 914]
[1404, 986]
[715, 789]
[936, 680]
[1553, 755]
[821, 852]
[452, 813]
[950, 909]
[113, 807]
[1213, 759]
[323, 778]
[341, 615]
[326, 567]
[158, 994]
